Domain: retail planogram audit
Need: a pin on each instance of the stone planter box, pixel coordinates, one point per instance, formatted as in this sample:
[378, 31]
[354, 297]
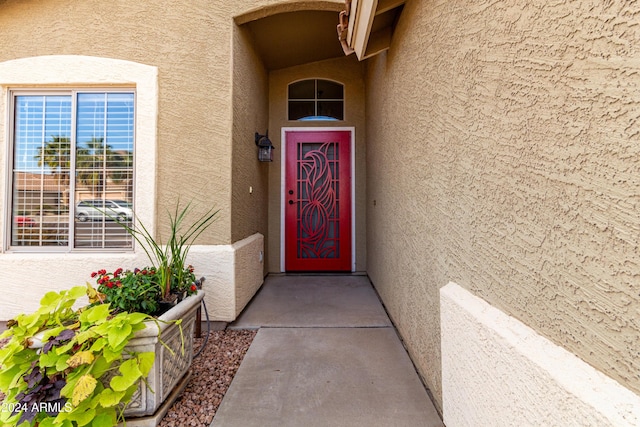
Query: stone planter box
[169, 370]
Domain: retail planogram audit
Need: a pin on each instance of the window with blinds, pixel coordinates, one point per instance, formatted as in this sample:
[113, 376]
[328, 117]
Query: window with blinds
[72, 169]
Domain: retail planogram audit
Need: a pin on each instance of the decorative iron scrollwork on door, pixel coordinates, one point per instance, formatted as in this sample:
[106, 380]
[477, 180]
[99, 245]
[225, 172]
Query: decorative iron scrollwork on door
[318, 218]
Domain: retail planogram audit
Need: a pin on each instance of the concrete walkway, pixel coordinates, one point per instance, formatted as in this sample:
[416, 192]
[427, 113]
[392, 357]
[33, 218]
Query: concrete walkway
[326, 354]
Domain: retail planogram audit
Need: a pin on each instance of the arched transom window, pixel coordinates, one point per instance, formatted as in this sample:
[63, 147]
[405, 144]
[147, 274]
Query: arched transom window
[316, 99]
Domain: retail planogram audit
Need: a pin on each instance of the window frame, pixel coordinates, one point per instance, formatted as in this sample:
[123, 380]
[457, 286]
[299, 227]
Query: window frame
[47, 270]
[316, 100]
[73, 92]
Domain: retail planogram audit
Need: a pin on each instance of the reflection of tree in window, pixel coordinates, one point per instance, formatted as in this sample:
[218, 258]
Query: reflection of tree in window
[56, 155]
[54, 168]
[97, 163]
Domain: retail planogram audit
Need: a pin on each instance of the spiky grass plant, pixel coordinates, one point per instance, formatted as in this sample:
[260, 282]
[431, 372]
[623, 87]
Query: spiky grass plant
[170, 260]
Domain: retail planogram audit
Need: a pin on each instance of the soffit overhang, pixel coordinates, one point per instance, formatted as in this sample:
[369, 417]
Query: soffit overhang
[365, 26]
[293, 34]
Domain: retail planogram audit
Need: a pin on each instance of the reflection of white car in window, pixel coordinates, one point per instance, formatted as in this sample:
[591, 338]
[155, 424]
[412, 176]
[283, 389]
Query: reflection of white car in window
[95, 210]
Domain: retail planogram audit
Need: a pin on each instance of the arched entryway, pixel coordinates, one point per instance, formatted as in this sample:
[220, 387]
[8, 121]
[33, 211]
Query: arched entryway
[274, 48]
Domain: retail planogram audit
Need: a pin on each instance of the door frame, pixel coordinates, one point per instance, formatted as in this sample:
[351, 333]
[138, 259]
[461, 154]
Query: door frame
[283, 166]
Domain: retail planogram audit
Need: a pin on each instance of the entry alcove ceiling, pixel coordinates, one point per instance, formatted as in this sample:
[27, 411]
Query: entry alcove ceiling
[292, 38]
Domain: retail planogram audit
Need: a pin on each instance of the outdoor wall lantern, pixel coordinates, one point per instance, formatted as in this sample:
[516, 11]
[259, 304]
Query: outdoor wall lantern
[265, 147]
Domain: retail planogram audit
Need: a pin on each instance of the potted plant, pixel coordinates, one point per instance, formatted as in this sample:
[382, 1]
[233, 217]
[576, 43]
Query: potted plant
[66, 367]
[174, 276]
[140, 290]
[122, 355]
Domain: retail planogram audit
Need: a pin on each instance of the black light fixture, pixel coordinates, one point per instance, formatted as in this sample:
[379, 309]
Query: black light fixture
[265, 147]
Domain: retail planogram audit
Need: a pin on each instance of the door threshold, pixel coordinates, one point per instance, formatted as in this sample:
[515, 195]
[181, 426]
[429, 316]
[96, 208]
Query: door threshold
[320, 273]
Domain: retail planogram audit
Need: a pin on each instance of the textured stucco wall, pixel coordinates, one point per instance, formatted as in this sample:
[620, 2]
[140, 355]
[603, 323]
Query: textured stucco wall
[193, 46]
[185, 42]
[211, 96]
[496, 371]
[350, 73]
[248, 270]
[249, 177]
[233, 275]
[502, 150]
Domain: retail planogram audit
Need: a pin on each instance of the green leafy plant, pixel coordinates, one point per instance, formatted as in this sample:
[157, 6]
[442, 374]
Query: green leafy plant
[66, 367]
[131, 291]
[140, 290]
[170, 260]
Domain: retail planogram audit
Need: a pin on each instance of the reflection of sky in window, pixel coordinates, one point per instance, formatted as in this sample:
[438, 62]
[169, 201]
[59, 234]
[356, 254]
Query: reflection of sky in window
[106, 117]
[42, 118]
[38, 119]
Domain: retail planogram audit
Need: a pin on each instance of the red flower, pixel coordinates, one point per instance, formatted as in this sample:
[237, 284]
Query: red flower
[102, 272]
[109, 285]
[94, 274]
[117, 272]
[194, 288]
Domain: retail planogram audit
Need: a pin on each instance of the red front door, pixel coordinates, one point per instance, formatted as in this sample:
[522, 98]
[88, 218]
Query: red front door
[318, 201]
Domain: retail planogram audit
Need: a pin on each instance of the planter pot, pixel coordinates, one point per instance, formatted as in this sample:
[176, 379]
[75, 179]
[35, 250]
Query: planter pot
[170, 367]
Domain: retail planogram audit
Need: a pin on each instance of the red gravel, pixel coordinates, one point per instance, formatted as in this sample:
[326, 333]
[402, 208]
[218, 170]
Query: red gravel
[211, 375]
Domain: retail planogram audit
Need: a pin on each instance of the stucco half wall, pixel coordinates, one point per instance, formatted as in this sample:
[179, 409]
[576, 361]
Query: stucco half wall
[497, 371]
[233, 273]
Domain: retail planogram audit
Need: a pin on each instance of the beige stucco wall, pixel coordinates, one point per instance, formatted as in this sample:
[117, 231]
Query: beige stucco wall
[184, 41]
[249, 177]
[193, 45]
[350, 73]
[210, 97]
[504, 140]
[496, 371]
[233, 275]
